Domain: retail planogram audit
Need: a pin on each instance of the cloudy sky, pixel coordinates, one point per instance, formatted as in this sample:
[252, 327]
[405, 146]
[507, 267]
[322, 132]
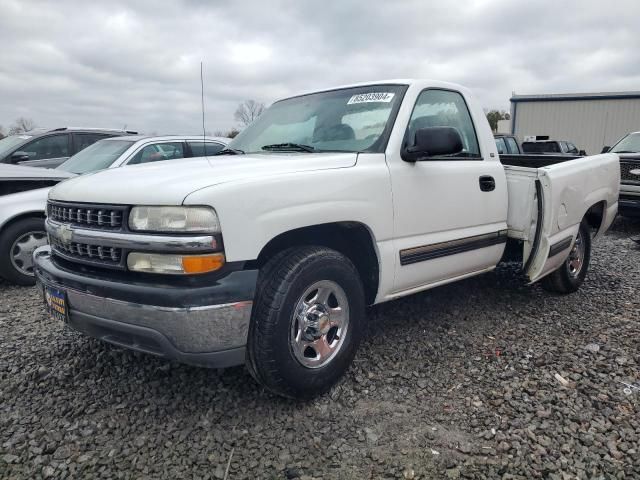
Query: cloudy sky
[137, 62]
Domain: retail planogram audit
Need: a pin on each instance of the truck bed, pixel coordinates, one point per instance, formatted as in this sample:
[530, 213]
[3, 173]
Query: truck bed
[548, 198]
[535, 161]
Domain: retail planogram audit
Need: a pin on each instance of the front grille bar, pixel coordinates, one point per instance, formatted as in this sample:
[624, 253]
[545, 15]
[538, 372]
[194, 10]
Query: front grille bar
[96, 217]
[625, 172]
[90, 254]
[134, 241]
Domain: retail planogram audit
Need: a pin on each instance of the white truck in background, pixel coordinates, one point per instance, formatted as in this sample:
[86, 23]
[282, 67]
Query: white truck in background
[268, 253]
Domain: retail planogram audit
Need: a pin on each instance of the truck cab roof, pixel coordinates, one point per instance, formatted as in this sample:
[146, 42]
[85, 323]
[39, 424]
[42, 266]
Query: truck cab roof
[410, 82]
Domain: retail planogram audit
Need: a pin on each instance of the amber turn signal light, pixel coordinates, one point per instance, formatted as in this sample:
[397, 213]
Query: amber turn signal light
[202, 263]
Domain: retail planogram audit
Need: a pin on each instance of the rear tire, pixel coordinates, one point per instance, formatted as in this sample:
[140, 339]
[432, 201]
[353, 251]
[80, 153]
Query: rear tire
[306, 323]
[570, 275]
[17, 243]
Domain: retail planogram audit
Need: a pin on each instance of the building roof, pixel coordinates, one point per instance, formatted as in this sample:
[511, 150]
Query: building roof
[555, 97]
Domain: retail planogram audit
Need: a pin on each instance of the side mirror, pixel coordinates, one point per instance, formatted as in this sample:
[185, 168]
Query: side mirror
[18, 157]
[431, 142]
[582, 153]
[605, 149]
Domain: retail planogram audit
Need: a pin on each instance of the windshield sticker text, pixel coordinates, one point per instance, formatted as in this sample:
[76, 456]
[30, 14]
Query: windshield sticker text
[384, 97]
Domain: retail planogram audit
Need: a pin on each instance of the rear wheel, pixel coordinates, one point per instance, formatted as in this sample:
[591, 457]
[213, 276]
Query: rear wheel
[306, 323]
[17, 243]
[570, 275]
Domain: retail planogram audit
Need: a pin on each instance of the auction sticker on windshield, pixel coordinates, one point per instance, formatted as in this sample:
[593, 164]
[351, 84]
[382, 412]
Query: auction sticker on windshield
[384, 97]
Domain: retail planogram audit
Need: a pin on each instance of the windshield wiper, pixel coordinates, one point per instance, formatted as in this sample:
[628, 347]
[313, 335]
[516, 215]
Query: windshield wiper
[624, 151]
[298, 147]
[230, 151]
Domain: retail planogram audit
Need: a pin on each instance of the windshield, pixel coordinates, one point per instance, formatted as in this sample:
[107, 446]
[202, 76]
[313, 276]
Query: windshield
[629, 144]
[346, 120]
[7, 144]
[95, 157]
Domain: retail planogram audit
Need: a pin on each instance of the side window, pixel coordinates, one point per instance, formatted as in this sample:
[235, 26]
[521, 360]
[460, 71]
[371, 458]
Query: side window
[198, 148]
[157, 152]
[501, 146]
[83, 140]
[53, 146]
[513, 145]
[563, 147]
[572, 148]
[443, 108]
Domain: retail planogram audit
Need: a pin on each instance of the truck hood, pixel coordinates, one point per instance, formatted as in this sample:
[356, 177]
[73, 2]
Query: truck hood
[169, 182]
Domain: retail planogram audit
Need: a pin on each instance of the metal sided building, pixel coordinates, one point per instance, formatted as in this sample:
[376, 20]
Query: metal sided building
[589, 120]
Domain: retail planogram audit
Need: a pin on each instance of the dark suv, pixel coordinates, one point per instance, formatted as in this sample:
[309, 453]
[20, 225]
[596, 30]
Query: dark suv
[555, 147]
[628, 149]
[49, 148]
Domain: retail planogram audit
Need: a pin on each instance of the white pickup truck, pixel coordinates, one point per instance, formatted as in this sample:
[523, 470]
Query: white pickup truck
[268, 253]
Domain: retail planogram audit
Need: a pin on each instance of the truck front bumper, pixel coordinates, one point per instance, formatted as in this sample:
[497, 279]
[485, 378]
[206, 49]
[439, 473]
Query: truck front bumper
[629, 205]
[205, 325]
[629, 200]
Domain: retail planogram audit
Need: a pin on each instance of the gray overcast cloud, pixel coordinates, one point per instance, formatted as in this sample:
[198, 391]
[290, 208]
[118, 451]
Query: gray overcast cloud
[138, 62]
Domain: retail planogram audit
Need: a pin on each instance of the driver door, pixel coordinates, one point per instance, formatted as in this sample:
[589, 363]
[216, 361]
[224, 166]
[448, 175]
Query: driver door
[450, 211]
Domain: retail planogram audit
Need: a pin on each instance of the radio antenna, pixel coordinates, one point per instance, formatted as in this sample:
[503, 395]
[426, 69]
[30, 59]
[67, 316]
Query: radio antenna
[204, 143]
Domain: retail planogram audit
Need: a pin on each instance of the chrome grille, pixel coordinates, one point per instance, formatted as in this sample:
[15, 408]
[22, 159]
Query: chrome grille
[90, 216]
[91, 254]
[625, 172]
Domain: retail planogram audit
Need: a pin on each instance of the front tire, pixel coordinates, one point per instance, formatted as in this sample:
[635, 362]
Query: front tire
[17, 243]
[570, 275]
[306, 323]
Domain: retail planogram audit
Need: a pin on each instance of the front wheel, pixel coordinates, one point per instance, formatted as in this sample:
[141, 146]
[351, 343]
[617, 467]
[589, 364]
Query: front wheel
[306, 323]
[17, 243]
[570, 275]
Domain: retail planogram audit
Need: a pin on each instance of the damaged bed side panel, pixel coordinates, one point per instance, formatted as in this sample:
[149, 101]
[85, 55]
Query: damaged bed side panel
[564, 192]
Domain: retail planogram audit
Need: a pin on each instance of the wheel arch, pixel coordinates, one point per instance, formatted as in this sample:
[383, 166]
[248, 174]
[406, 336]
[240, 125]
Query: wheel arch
[595, 216]
[21, 216]
[353, 239]
[17, 273]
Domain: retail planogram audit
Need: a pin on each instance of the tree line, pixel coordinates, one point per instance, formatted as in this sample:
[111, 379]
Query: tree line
[246, 113]
[21, 125]
[493, 116]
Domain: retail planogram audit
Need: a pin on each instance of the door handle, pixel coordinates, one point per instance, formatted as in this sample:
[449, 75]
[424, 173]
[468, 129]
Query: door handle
[487, 183]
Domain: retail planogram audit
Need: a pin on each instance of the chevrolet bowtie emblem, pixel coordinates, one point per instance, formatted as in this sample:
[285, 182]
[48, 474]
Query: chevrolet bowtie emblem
[64, 233]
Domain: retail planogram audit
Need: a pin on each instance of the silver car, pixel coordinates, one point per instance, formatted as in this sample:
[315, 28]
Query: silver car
[24, 190]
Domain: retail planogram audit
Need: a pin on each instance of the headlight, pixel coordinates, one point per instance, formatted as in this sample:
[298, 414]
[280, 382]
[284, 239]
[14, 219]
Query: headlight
[174, 264]
[174, 219]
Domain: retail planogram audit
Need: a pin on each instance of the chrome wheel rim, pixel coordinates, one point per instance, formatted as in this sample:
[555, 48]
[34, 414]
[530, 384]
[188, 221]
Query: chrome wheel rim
[21, 252]
[320, 324]
[576, 257]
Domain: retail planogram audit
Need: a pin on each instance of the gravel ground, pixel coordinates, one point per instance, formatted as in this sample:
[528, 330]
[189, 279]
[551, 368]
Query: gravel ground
[485, 378]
